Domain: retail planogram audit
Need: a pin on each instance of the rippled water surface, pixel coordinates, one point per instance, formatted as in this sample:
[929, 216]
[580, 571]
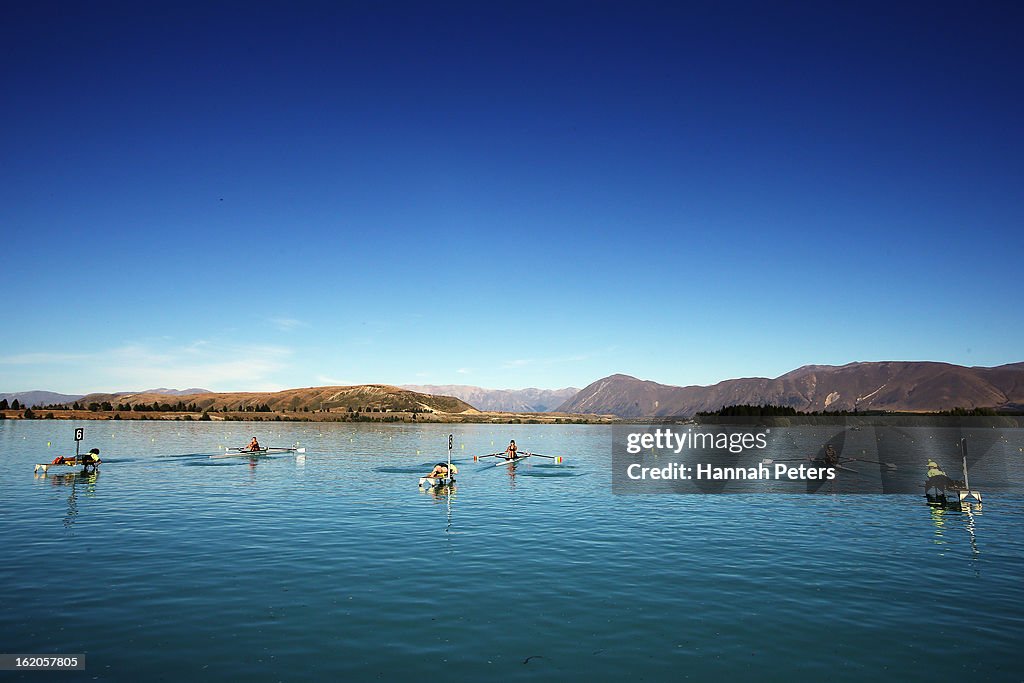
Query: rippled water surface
[170, 565]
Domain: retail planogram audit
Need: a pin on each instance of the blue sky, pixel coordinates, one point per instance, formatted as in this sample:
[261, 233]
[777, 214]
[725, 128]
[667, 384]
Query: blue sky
[247, 196]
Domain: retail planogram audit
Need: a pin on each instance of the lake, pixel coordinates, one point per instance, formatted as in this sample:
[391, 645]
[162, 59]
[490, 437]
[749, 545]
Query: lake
[169, 565]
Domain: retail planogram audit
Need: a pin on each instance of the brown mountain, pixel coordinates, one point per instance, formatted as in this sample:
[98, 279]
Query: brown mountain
[891, 386]
[503, 400]
[367, 396]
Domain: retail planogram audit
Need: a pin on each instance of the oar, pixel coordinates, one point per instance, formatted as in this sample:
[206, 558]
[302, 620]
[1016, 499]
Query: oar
[477, 458]
[769, 461]
[556, 458]
[887, 465]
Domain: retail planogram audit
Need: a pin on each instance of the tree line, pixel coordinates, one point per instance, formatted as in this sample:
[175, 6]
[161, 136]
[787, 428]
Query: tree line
[355, 412]
[745, 410]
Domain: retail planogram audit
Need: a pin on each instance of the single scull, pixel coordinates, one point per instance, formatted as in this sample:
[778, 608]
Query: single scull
[430, 482]
[501, 460]
[244, 452]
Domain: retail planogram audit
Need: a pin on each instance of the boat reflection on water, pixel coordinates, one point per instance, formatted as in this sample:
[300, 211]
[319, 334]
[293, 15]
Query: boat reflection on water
[440, 492]
[78, 481]
[949, 514]
[443, 493]
[69, 478]
[511, 469]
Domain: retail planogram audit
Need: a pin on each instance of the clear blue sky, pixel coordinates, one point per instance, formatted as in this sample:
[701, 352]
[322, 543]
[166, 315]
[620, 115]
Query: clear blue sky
[257, 196]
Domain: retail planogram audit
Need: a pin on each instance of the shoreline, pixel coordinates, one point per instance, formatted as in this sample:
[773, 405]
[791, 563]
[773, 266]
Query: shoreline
[43, 414]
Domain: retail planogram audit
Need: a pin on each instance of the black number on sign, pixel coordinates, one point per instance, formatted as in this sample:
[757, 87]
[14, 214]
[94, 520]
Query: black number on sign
[79, 434]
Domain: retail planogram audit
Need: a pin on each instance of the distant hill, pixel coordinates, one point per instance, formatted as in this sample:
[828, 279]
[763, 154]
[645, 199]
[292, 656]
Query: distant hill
[173, 392]
[504, 400]
[362, 397]
[39, 398]
[890, 386]
[45, 398]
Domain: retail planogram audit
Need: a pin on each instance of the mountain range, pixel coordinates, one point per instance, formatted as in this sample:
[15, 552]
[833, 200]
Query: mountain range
[893, 386]
[39, 397]
[503, 400]
[46, 398]
[880, 386]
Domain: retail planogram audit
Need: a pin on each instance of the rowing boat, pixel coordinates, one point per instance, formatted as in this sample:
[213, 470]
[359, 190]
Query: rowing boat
[431, 482]
[501, 460]
[511, 461]
[940, 483]
[43, 466]
[244, 453]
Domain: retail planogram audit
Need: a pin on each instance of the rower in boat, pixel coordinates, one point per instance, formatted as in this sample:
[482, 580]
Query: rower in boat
[254, 445]
[443, 471]
[89, 461]
[512, 452]
[940, 481]
[829, 457]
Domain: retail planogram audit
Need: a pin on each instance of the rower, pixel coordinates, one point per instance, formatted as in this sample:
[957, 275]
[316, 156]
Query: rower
[829, 458]
[91, 459]
[254, 445]
[511, 451]
[939, 480]
[442, 471]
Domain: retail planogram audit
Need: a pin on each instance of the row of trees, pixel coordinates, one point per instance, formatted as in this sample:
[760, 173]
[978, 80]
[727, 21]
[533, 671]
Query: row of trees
[976, 412]
[746, 410]
[182, 407]
[258, 408]
[30, 414]
[156, 407]
[786, 411]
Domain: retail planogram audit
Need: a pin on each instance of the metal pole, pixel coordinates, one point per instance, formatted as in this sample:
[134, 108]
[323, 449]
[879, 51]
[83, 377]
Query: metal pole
[963, 449]
[448, 493]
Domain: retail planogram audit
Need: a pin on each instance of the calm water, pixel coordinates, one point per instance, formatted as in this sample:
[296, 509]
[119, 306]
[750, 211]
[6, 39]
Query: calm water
[171, 566]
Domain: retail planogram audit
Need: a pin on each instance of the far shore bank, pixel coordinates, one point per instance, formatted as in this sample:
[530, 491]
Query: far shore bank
[474, 417]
